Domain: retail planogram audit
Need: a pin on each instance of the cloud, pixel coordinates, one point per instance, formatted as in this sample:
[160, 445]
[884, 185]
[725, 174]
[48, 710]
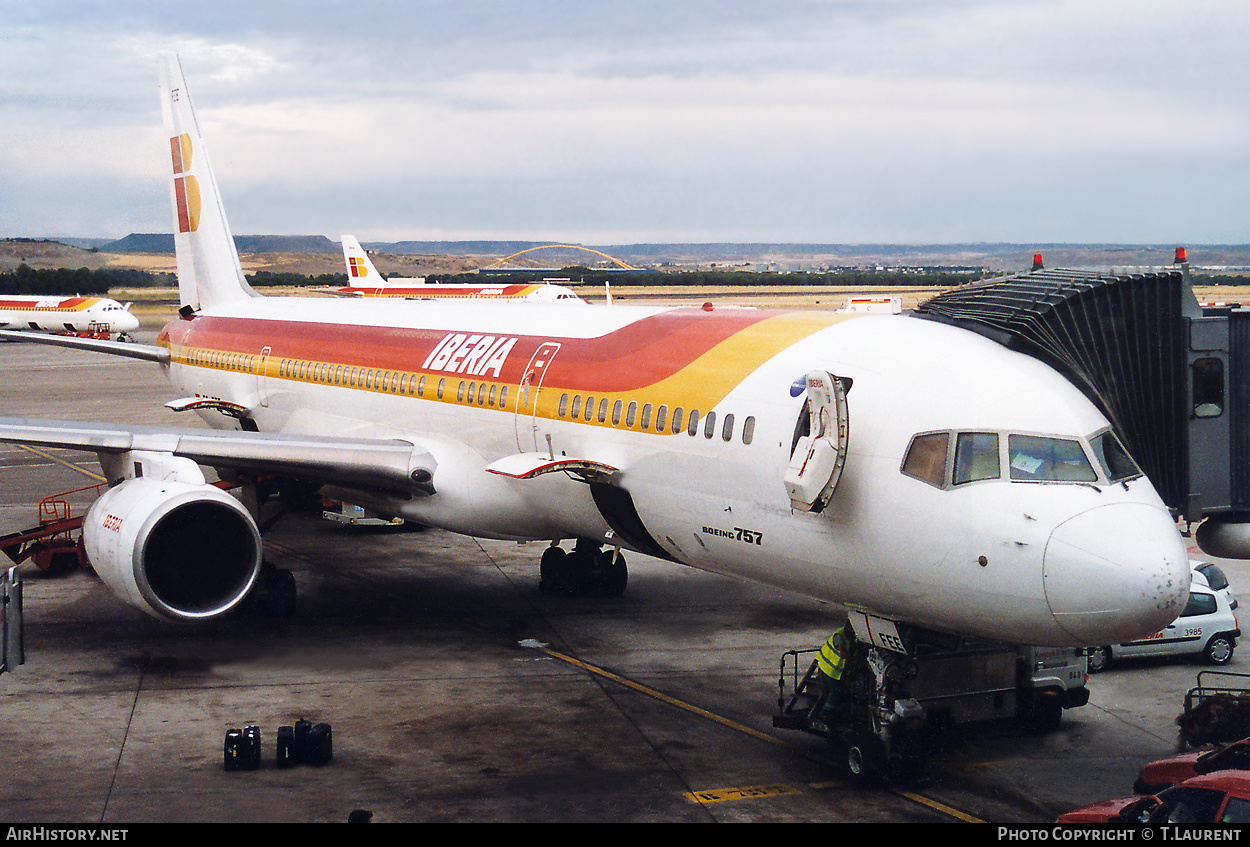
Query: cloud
[879, 120]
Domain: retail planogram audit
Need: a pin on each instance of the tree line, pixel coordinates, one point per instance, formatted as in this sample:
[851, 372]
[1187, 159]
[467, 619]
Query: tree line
[64, 281]
[87, 282]
[591, 276]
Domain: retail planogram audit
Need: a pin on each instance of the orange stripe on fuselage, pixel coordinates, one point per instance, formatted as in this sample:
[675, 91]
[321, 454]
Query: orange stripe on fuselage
[49, 304]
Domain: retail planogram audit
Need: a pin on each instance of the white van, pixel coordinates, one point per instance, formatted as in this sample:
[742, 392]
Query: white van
[1207, 626]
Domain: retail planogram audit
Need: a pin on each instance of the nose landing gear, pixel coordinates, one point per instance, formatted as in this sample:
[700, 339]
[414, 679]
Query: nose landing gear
[587, 571]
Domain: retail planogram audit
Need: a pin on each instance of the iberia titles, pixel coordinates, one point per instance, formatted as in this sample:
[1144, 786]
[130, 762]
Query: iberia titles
[476, 355]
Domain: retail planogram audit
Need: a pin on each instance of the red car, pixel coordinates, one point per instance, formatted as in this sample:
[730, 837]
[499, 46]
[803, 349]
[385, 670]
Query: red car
[1218, 797]
[1165, 773]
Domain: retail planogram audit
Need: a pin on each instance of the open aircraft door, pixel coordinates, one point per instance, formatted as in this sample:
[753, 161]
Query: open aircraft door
[527, 396]
[820, 449]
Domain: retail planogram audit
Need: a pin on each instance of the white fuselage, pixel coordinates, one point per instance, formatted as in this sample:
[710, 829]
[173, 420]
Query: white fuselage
[1058, 562]
[65, 314]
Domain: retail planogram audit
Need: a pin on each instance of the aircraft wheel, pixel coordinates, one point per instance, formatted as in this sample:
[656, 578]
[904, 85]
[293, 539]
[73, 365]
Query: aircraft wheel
[554, 570]
[615, 574]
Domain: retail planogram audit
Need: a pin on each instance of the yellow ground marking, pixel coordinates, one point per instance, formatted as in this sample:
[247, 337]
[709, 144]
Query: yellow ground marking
[751, 792]
[60, 461]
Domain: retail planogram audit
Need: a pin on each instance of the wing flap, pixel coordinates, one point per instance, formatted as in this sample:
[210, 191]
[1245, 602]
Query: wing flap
[531, 465]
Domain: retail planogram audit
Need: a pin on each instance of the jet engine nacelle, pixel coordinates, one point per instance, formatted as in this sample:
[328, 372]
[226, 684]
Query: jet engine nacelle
[179, 551]
[1224, 538]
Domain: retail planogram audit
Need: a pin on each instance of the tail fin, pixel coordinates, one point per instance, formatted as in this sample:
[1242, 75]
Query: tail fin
[358, 265]
[209, 272]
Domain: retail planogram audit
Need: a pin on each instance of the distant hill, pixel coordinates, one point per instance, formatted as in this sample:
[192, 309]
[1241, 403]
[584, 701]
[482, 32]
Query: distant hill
[421, 257]
[163, 242]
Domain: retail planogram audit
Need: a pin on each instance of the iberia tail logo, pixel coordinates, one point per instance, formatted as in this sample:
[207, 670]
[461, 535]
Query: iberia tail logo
[358, 266]
[186, 186]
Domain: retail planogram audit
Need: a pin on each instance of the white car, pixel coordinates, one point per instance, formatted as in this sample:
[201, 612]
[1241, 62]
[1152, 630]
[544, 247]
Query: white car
[1207, 626]
[1210, 575]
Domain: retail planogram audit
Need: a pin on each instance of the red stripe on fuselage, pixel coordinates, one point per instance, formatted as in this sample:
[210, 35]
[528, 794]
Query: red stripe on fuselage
[631, 357]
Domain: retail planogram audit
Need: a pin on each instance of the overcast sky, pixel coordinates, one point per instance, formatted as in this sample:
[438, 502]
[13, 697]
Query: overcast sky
[847, 121]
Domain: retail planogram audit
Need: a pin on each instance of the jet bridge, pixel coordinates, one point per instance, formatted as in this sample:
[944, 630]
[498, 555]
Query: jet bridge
[1172, 377]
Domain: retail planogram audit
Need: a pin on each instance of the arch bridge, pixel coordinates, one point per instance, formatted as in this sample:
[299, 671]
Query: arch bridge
[612, 259]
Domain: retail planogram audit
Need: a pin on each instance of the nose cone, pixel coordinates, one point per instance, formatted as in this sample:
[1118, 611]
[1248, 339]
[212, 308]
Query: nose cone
[1116, 573]
[125, 322]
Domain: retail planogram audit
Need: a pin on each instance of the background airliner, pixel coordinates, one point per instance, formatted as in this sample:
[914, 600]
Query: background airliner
[365, 281]
[903, 468]
[66, 314]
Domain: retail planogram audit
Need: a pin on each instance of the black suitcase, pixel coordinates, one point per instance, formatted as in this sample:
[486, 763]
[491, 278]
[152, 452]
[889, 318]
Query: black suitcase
[301, 731]
[286, 746]
[251, 748]
[233, 752]
[320, 744]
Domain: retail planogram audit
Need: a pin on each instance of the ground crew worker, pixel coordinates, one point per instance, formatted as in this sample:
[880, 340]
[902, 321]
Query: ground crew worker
[831, 663]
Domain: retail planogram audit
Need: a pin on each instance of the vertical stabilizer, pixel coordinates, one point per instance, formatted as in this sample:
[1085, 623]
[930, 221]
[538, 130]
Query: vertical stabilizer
[360, 271]
[209, 272]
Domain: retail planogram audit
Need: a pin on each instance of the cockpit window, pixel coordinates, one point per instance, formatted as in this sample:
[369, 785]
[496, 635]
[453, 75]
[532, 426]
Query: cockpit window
[1115, 460]
[926, 458]
[947, 459]
[1034, 458]
[976, 456]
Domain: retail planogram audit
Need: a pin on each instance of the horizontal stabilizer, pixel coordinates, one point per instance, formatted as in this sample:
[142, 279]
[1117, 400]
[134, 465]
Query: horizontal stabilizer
[530, 465]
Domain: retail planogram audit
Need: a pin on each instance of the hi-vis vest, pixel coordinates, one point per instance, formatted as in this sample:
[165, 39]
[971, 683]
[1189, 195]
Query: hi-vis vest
[832, 658]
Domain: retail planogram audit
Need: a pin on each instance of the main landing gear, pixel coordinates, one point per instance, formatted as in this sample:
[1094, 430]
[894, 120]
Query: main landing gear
[587, 571]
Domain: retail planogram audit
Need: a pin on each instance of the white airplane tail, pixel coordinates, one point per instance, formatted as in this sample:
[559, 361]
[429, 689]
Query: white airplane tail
[209, 272]
[359, 269]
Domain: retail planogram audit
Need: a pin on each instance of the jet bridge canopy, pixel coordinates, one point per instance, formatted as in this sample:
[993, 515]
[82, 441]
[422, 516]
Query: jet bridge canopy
[1121, 337]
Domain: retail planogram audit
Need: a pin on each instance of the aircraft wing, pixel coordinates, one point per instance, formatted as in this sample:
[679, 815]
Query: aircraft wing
[391, 466]
[130, 349]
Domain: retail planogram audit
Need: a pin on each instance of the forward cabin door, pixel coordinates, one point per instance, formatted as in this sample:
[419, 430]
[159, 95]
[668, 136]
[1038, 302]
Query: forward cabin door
[819, 452]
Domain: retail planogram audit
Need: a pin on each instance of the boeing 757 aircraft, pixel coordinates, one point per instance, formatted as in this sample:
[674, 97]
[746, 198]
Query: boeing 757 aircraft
[365, 281]
[906, 469]
[66, 314]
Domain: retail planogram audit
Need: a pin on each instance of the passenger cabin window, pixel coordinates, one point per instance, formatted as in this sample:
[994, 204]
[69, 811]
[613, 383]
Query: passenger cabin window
[1038, 459]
